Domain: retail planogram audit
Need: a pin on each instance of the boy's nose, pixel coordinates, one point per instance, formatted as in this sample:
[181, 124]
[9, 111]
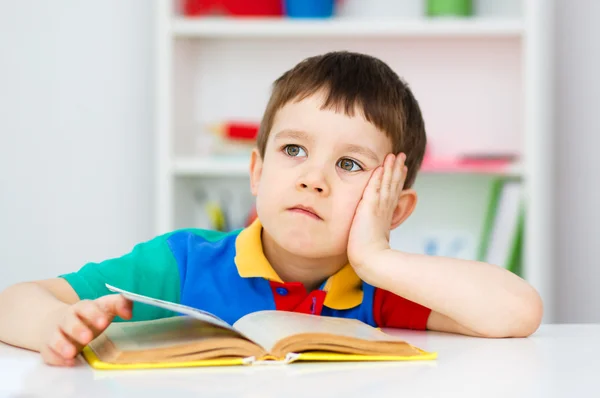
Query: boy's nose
[313, 182]
[316, 188]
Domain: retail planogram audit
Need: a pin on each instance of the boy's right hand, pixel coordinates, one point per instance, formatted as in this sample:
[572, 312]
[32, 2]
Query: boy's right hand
[71, 328]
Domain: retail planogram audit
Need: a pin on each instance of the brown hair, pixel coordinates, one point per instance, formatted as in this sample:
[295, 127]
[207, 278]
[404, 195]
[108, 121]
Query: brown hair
[350, 80]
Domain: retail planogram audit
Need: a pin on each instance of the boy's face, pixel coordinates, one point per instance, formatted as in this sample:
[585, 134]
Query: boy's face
[316, 166]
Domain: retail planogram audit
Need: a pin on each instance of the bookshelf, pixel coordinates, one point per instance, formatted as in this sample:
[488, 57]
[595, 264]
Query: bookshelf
[484, 84]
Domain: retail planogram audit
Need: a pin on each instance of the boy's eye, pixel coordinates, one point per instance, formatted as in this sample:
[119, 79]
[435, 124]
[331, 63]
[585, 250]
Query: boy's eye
[294, 150]
[349, 165]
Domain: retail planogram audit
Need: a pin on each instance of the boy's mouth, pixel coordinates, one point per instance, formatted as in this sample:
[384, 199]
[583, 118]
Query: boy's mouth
[306, 210]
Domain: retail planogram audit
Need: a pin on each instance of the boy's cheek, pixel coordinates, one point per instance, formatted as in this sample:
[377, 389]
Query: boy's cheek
[345, 210]
[355, 195]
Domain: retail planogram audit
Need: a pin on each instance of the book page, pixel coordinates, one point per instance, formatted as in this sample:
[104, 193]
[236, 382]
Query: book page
[266, 328]
[179, 308]
[163, 333]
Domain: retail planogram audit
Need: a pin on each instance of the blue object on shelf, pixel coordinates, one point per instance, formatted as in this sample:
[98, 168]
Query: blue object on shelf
[431, 247]
[309, 8]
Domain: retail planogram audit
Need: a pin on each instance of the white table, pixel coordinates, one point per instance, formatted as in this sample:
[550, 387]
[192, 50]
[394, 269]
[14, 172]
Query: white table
[557, 361]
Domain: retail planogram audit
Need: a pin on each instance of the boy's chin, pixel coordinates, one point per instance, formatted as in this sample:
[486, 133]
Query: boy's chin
[308, 247]
[304, 240]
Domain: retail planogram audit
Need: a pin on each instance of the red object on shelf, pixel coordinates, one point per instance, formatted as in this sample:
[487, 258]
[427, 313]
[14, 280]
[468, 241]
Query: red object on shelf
[249, 8]
[240, 131]
[192, 8]
[255, 8]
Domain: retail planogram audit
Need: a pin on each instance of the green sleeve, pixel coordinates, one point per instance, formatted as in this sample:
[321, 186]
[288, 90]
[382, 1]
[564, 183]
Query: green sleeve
[149, 269]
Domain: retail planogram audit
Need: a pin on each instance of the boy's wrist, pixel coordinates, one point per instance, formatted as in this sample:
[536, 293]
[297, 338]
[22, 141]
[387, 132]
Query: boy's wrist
[378, 269]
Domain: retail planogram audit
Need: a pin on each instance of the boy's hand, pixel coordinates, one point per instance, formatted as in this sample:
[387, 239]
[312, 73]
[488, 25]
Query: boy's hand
[370, 230]
[72, 328]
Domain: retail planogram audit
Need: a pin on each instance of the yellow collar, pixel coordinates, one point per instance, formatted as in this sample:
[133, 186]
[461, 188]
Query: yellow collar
[344, 288]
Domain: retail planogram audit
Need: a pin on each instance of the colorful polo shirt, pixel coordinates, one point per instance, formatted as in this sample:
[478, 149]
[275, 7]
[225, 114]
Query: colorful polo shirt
[228, 275]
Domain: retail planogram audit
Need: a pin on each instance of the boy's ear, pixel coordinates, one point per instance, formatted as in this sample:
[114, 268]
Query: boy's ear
[406, 205]
[256, 164]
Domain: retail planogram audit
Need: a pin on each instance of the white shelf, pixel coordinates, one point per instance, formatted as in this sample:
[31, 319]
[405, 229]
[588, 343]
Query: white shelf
[211, 167]
[215, 27]
[238, 166]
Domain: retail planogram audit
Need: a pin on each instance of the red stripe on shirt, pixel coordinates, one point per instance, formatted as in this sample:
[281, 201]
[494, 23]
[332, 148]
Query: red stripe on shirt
[393, 311]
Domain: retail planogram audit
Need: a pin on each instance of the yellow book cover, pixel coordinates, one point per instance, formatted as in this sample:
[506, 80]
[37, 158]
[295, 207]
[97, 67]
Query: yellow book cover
[198, 338]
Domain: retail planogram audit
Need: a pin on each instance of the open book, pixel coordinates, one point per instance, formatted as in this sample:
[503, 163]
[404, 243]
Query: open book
[198, 338]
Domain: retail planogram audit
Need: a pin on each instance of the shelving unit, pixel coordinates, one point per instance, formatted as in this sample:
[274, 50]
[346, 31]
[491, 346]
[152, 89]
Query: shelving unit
[484, 83]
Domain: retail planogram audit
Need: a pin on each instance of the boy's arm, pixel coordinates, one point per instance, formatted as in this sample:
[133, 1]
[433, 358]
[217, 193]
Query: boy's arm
[58, 317]
[47, 316]
[24, 306]
[466, 297]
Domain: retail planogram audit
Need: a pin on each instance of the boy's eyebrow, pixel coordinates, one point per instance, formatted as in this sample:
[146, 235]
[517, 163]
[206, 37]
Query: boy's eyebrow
[361, 150]
[297, 134]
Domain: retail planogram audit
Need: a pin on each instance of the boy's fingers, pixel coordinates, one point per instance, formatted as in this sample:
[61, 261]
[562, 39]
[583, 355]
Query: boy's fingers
[76, 329]
[93, 314]
[62, 346]
[126, 309]
[78, 332]
[115, 305]
[373, 188]
[386, 180]
[398, 174]
[54, 358]
[51, 357]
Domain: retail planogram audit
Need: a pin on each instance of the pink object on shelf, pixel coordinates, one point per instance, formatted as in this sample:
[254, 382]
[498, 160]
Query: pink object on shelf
[479, 162]
[460, 165]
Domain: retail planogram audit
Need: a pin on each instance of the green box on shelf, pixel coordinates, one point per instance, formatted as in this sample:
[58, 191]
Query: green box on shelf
[461, 8]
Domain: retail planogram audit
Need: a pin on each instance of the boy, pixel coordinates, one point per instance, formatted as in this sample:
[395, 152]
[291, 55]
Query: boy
[339, 147]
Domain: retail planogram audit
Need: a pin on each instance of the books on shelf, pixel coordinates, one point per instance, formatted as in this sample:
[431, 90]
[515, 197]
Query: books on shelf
[502, 241]
[198, 338]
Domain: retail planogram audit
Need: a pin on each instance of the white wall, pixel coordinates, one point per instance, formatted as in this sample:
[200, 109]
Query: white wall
[578, 145]
[75, 133]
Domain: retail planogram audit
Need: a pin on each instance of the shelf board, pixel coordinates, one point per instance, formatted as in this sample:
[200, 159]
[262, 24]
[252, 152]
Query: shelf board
[238, 166]
[223, 27]
[231, 166]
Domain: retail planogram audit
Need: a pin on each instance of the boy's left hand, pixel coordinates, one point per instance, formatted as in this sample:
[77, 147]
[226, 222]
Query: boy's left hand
[370, 229]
